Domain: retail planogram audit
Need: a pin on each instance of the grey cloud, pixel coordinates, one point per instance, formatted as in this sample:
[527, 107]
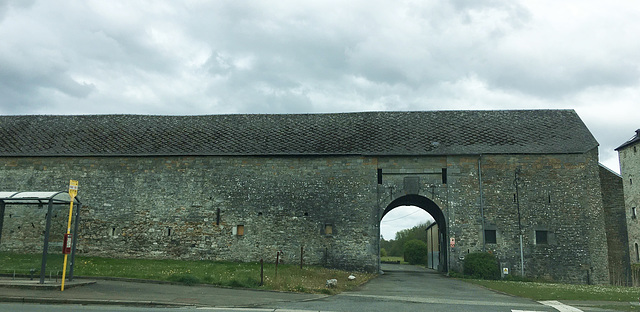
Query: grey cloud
[557, 78]
[6, 5]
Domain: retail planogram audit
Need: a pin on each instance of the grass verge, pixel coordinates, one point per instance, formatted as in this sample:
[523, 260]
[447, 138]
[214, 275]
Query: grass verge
[393, 259]
[552, 291]
[246, 275]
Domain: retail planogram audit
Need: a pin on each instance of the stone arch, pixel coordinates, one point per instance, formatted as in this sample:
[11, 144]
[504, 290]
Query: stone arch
[435, 211]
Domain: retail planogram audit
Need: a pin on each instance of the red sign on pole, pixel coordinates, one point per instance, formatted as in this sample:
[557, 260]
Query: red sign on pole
[66, 244]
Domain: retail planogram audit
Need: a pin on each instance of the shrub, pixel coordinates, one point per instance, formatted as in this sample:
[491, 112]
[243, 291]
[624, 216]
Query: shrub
[383, 252]
[415, 252]
[481, 265]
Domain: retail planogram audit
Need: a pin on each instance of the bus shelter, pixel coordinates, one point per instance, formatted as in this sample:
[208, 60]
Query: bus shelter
[41, 199]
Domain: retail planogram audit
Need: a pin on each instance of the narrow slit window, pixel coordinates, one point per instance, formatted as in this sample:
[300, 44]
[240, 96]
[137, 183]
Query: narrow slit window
[633, 213]
[168, 231]
[637, 253]
[240, 230]
[379, 176]
[444, 175]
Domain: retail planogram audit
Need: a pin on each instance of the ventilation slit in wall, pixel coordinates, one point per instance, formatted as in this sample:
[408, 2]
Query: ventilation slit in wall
[444, 175]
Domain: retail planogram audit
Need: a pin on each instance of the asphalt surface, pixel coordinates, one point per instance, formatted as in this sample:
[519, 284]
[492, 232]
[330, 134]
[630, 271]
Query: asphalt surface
[120, 292]
[401, 288]
[412, 288]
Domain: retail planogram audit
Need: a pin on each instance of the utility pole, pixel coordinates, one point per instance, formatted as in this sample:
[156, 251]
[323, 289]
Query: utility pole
[515, 182]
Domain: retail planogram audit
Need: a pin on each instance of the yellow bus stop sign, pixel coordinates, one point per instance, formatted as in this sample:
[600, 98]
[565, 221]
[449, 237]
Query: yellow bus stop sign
[73, 191]
[73, 188]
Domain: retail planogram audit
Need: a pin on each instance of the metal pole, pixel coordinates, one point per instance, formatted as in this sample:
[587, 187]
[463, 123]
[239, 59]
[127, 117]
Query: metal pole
[75, 240]
[1, 218]
[517, 177]
[43, 267]
[277, 260]
[301, 256]
[484, 240]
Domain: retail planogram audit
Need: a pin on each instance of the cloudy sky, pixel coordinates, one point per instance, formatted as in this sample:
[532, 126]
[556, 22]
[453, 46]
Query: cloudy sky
[214, 57]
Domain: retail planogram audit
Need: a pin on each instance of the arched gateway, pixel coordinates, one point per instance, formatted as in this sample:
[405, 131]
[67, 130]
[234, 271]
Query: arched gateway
[243, 187]
[431, 208]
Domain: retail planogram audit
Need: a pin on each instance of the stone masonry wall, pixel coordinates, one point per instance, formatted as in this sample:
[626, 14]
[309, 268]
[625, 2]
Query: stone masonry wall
[553, 197]
[558, 194]
[616, 227]
[630, 170]
[192, 207]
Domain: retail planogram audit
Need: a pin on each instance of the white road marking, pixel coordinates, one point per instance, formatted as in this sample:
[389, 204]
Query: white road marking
[441, 301]
[255, 310]
[560, 306]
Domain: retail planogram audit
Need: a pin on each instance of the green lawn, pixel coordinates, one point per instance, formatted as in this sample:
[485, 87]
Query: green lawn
[290, 277]
[552, 291]
[393, 259]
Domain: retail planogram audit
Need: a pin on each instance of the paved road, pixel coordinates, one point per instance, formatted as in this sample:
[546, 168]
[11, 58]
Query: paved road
[410, 288]
[402, 288]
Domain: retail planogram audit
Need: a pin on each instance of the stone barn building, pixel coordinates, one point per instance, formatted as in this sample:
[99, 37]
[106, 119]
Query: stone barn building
[629, 156]
[242, 187]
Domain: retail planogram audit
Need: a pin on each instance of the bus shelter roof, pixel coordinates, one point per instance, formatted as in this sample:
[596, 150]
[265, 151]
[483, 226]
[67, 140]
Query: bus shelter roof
[38, 198]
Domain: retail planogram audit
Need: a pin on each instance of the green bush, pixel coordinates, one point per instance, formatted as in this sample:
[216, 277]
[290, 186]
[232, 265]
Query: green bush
[415, 252]
[481, 265]
[383, 252]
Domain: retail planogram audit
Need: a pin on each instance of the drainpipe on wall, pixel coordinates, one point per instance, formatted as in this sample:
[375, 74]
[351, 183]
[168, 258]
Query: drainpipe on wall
[515, 181]
[481, 201]
[445, 245]
[378, 227]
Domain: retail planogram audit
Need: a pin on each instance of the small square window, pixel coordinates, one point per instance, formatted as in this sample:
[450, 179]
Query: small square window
[328, 229]
[490, 237]
[240, 230]
[542, 237]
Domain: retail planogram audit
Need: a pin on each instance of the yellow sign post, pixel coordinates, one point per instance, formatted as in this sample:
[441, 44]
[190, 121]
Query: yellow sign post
[73, 192]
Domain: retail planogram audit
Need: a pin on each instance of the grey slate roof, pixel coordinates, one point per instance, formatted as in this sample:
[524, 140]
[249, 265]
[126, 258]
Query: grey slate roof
[634, 139]
[366, 133]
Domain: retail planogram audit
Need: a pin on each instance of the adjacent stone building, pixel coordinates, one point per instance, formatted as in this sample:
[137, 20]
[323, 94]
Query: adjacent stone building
[629, 156]
[243, 187]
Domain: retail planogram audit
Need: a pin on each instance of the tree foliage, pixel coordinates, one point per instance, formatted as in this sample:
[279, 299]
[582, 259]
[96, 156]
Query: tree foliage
[395, 247]
[415, 252]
